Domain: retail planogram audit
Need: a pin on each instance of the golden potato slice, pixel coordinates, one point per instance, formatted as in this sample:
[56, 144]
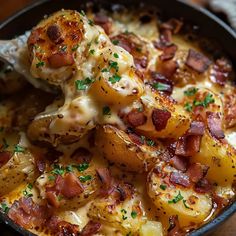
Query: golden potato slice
[119, 148]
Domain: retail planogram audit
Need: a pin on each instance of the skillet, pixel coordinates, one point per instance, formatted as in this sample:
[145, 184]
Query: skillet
[209, 26]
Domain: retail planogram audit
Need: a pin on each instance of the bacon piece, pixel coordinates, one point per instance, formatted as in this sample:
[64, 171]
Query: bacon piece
[196, 128]
[203, 186]
[27, 214]
[174, 227]
[135, 138]
[34, 36]
[180, 179]
[60, 59]
[220, 201]
[197, 171]
[62, 228]
[188, 145]
[71, 186]
[91, 228]
[82, 155]
[105, 177]
[197, 61]
[160, 118]
[180, 163]
[122, 191]
[230, 108]
[103, 21]
[168, 68]
[159, 78]
[136, 118]
[214, 125]
[4, 158]
[220, 72]
[54, 34]
[173, 24]
[168, 52]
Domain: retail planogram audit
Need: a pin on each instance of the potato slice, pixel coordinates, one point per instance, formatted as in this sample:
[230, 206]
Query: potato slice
[151, 228]
[117, 147]
[190, 206]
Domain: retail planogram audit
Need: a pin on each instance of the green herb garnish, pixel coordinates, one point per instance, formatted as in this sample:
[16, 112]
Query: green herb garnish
[176, 199]
[106, 111]
[69, 168]
[82, 13]
[190, 92]
[116, 55]
[83, 84]
[186, 206]
[115, 42]
[82, 167]
[133, 214]
[160, 86]
[85, 178]
[18, 148]
[4, 207]
[92, 51]
[150, 142]
[74, 48]
[114, 79]
[114, 65]
[90, 22]
[40, 64]
[163, 187]
[188, 106]
[58, 170]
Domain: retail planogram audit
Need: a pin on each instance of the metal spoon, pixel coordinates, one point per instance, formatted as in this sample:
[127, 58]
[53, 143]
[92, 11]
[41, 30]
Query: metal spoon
[15, 53]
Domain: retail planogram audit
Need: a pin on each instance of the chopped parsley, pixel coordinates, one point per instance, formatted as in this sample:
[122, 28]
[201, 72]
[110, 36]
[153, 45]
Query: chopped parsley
[92, 51]
[82, 13]
[114, 65]
[116, 55]
[115, 42]
[69, 168]
[106, 111]
[4, 207]
[207, 100]
[163, 186]
[82, 167]
[150, 142]
[85, 178]
[188, 106]
[64, 48]
[40, 64]
[123, 211]
[18, 148]
[160, 86]
[58, 170]
[133, 214]
[5, 144]
[104, 70]
[90, 22]
[74, 48]
[27, 191]
[176, 199]
[51, 177]
[83, 84]
[186, 206]
[190, 92]
[115, 78]
[143, 138]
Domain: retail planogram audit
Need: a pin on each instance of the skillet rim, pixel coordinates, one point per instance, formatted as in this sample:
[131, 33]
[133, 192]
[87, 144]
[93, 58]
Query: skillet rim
[229, 32]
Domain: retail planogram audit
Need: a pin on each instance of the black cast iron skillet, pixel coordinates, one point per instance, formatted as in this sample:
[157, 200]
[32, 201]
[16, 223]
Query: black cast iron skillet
[209, 25]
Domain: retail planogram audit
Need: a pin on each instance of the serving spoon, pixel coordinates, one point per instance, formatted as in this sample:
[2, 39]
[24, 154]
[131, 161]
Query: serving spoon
[14, 52]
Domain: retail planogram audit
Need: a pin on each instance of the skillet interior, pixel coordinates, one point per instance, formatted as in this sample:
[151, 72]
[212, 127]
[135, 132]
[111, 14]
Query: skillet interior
[210, 26]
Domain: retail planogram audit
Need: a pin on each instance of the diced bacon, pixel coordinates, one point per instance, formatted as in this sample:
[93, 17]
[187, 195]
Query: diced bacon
[105, 177]
[196, 128]
[197, 61]
[60, 59]
[91, 228]
[174, 227]
[160, 118]
[180, 163]
[54, 34]
[104, 22]
[135, 138]
[197, 171]
[188, 145]
[4, 158]
[168, 52]
[122, 191]
[136, 118]
[173, 24]
[168, 68]
[214, 123]
[203, 186]
[230, 109]
[82, 155]
[180, 179]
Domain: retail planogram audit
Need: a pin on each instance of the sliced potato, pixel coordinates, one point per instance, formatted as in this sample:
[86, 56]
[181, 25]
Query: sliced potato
[151, 228]
[117, 147]
[190, 206]
[220, 157]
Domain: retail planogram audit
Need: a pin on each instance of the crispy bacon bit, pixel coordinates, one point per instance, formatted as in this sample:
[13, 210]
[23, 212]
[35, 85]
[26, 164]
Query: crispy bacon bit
[197, 171]
[220, 201]
[196, 128]
[168, 52]
[34, 36]
[41, 165]
[82, 155]
[230, 109]
[71, 186]
[180, 163]
[135, 138]
[54, 34]
[188, 145]
[27, 214]
[173, 24]
[159, 78]
[203, 186]
[214, 124]
[123, 191]
[61, 228]
[197, 61]
[136, 118]
[60, 59]
[168, 68]
[174, 227]
[220, 72]
[4, 158]
[180, 179]
[103, 21]
[105, 177]
[160, 118]
[91, 228]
